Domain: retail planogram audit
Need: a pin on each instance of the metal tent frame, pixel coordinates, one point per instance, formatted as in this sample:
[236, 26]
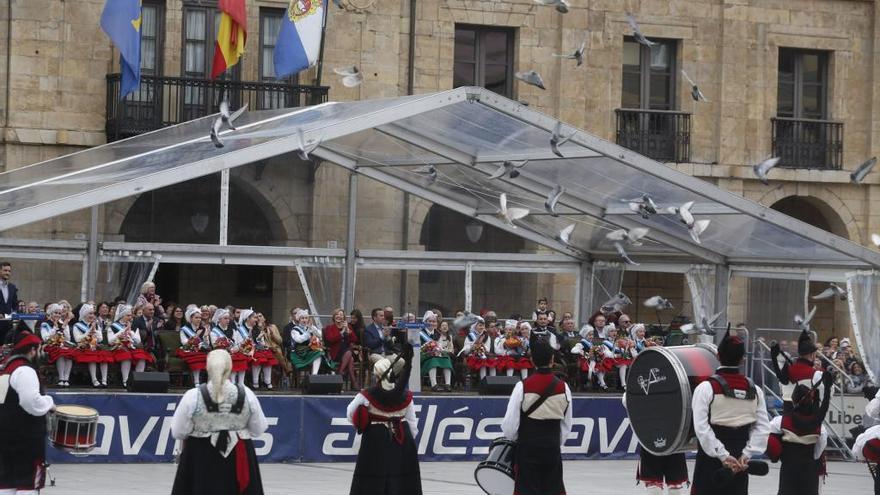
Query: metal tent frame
[464, 134]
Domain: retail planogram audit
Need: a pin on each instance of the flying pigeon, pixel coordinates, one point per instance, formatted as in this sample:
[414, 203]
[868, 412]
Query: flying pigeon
[577, 55]
[464, 321]
[632, 237]
[696, 94]
[644, 206]
[351, 76]
[637, 33]
[616, 303]
[430, 173]
[561, 5]
[833, 290]
[804, 323]
[508, 167]
[704, 327]
[858, 175]
[510, 214]
[763, 168]
[875, 239]
[224, 118]
[557, 140]
[622, 253]
[565, 234]
[306, 147]
[695, 227]
[530, 77]
[552, 199]
[658, 303]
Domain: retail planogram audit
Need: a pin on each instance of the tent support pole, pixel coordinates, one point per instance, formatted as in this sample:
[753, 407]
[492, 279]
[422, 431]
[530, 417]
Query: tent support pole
[722, 295]
[224, 207]
[92, 262]
[350, 251]
[583, 292]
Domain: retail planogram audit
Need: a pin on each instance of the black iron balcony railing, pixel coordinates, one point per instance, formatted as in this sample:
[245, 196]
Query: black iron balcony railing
[663, 135]
[807, 143]
[165, 101]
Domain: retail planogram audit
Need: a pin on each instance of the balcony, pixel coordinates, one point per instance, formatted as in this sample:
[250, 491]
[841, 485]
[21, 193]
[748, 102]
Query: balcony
[165, 101]
[807, 143]
[663, 135]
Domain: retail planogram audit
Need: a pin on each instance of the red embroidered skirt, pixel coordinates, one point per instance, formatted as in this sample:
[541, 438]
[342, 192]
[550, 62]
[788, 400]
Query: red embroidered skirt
[56, 351]
[196, 360]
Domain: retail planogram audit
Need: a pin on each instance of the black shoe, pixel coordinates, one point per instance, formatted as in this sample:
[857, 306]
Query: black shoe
[436, 388]
[447, 388]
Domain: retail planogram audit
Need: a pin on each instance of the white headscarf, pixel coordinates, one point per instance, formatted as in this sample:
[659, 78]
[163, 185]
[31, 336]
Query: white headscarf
[429, 315]
[220, 313]
[122, 310]
[245, 314]
[54, 307]
[510, 324]
[526, 324]
[479, 320]
[84, 310]
[299, 314]
[634, 328]
[190, 311]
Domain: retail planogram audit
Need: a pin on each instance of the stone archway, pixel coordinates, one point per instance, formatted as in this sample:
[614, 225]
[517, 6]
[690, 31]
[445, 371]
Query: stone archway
[805, 201]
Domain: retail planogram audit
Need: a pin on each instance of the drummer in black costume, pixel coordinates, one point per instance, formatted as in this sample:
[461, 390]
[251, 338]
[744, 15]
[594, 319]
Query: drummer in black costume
[387, 462]
[731, 424]
[23, 408]
[539, 419]
[655, 470]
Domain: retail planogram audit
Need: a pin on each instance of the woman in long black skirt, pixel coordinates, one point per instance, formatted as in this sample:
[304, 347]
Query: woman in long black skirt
[387, 462]
[216, 422]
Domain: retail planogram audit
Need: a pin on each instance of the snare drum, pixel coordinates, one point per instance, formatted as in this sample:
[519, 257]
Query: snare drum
[73, 428]
[495, 474]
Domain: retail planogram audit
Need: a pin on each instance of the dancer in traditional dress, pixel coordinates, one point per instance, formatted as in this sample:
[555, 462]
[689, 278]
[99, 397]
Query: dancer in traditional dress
[23, 409]
[217, 422]
[195, 342]
[308, 350]
[867, 448]
[263, 358]
[126, 344]
[387, 461]
[730, 421]
[433, 356]
[624, 352]
[539, 419]
[514, 350]
[57, 343]
[222, 328]
[478, 356]
[91, 345]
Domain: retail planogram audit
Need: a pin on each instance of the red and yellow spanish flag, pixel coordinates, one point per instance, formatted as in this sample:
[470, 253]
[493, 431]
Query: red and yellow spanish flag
[231, 36]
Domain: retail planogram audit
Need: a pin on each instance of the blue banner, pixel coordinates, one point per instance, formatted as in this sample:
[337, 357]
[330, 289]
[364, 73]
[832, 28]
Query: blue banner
[137, 428]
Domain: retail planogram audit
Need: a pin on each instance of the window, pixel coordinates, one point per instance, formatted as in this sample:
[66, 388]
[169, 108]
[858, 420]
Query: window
[649, 75]
[484, 57]
[802, 89]
[200, 25]
[270, 25]
[142, 105]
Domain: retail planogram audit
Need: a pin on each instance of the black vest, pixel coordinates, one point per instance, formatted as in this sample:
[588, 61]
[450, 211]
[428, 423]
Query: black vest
[16, 425]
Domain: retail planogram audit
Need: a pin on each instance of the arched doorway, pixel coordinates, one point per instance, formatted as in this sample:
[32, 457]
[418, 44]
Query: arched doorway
[812, 211]
[188, 213]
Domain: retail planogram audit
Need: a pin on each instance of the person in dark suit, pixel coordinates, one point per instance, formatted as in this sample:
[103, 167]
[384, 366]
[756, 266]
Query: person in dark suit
[8, 299]
[148, 325]
[375, 336]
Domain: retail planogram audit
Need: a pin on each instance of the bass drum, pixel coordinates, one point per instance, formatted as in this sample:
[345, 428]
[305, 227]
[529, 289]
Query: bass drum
[659, 386]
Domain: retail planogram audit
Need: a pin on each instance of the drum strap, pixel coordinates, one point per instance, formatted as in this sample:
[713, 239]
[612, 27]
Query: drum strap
[751, 393]
[213, 407]
[544, 396]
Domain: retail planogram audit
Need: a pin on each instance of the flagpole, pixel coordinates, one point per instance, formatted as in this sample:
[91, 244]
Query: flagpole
[320, 67]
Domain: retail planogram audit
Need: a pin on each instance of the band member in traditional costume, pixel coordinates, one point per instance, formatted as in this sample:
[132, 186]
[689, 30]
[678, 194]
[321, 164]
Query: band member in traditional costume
[307, 346]
[867, 448]
[478, 356]
[659, 470]
[58, 344]
[195, 342]
[801, 371]
[433, 357]
[126, 343]
[873, 407]
[217, 422]
[387, 462]
[798, 439]
[222, 328]
[263, 359]
[514, 350]
[539, 419]
[90, 345]
[23, 408]
[730, 421]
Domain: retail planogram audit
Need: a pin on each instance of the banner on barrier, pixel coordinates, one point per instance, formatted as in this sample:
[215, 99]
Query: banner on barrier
[137, 428]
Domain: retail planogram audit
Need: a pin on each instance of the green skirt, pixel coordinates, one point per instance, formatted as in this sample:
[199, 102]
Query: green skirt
[435, 362]
[301, 359]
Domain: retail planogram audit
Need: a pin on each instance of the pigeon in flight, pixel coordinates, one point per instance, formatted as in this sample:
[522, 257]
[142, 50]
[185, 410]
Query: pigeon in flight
[561, 5]
[616, 303]
[633, 236]
[464, 321]
[804, 323]
[557, 139]
[429, 172]
[637, 33]
[858, 175]
[552, 199]
[510, 168]
[565, 235]
[696, 94]
[511, 214]
[225, 118]
[658, 303]
[695, 227]
[305, 148]
[704, 327]
[623, 254]
[577, 55]
[763, 168]
[833, 290]
[875, 239]
[351, 76]
[644, 206]
[530, 77]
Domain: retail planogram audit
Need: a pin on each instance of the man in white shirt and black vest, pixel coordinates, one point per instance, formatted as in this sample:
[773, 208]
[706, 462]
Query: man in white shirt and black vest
[23, 408]
[539, 419]
[731, 424]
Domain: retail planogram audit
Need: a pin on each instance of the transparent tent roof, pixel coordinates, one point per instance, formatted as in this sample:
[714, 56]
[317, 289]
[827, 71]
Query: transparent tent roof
[466, 134]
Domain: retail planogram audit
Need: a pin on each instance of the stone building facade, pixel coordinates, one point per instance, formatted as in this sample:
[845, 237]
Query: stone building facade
[54, 62]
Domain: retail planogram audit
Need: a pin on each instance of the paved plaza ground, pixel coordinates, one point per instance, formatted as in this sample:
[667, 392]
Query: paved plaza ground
[612, 477]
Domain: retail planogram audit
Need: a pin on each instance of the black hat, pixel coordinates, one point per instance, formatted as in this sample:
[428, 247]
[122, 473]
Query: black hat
[731, 349]
[542, 353]
[805, 344]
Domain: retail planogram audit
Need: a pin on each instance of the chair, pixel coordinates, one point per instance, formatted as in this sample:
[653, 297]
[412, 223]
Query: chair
[176, 367]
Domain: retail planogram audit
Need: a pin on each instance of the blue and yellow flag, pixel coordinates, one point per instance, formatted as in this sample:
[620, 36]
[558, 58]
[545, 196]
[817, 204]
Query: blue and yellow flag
[121, 20]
